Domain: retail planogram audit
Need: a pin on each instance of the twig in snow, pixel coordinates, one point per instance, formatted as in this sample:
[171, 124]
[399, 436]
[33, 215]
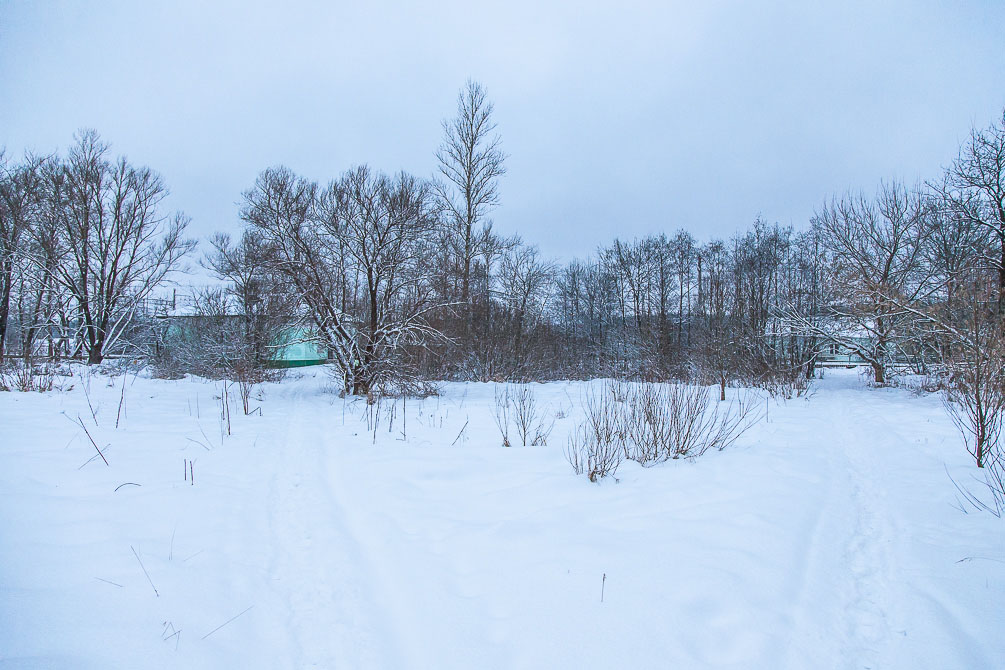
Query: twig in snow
[108, 447]
[92, 440]
[145, 571]
[122, 400]
[201, 444]
[224, 411]
[205, 437]
[224, 624]
[126, 484]
[87, 395]
[603, 583]
[979, 558]
[108, 582]
[460, 433]
[175, 633]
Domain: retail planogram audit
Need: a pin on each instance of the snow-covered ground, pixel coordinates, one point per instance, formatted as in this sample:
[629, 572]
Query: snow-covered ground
[828, 537]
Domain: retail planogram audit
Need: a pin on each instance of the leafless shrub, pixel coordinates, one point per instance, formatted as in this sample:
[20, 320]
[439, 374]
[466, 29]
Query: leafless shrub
[728, 422]
[224, 409]
[976, 397]
[25, 376]
[781, 382]
[244, 388]
[597, 446]
[407, 385]
[977, 408]
[933, 382]
[991, 501]
[671, 421]
[517, 408]
[787, 387]
[531, 420]
[248, 376]
[618, 389]
[655, 423]
[649, 424]
[503, 412]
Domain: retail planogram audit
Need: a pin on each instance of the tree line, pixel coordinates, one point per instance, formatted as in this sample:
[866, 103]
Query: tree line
[400, 278]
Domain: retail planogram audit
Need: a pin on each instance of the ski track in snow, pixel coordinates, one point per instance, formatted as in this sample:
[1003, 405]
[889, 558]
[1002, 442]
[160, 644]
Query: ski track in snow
[866, 549]
[334, 611]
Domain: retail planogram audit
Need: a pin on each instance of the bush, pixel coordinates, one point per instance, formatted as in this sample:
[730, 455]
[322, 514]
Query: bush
[518, 406]
[24, 376]
[653, 423]
[597, 446]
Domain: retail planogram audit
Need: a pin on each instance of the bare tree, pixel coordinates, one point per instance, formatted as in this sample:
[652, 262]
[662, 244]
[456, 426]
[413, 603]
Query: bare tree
[683, 251]
[718, 346]
[876, 251]
[973, 189]
[471, 162]
[976, 396]
[263, 298]
[43, 305]
[354, 253]
[524, 286]
[116, 245]
[20, 186]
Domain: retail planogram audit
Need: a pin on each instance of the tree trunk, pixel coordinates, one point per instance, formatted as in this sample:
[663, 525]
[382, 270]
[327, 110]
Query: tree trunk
[95, 345]
[94, 355]
[1001, 279]
[5, 306]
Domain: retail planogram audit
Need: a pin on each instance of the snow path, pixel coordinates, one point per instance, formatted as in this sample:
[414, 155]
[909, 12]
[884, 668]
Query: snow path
[336, 609]
[858, 600]
[827, 537]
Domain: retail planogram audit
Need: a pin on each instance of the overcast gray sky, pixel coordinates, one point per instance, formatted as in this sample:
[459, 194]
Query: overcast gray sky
[620, 118]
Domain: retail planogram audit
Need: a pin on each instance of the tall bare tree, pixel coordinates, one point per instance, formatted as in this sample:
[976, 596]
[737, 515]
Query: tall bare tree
[117, 246]
[20, 192]
[43, 305]
[470, 162]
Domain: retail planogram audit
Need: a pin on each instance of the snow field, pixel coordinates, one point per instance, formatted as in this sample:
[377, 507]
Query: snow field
[826, 537]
